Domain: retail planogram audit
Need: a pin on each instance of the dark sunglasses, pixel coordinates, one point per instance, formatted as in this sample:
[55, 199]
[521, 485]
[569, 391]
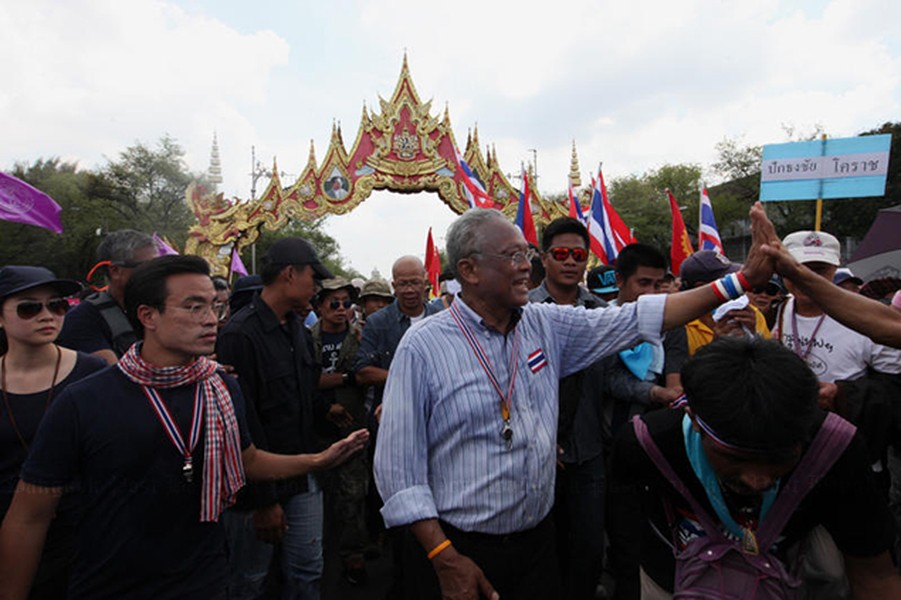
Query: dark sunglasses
[560, 253]
[334, 304]
[29, 309]
[770, 290]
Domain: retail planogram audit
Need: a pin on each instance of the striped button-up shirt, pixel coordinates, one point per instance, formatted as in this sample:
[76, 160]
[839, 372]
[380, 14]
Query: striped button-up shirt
[440, 453]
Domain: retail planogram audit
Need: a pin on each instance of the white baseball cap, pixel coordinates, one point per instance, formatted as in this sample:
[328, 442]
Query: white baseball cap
[813, 246]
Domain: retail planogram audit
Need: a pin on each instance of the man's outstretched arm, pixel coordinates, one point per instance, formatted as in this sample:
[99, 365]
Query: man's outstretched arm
[869, 317]
[266, 466]
[686, 306]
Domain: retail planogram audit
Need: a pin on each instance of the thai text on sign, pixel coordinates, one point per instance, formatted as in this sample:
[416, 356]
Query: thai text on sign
[835, 168]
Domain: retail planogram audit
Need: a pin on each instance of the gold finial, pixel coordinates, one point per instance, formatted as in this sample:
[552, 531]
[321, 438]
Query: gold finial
[311, 161]
[574, 176]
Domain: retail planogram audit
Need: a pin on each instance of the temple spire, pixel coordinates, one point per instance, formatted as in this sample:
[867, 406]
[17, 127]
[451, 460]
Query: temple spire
[214, 173]
[574, 176]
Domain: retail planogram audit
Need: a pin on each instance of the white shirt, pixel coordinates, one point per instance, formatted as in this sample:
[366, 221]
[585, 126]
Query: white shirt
[836, 352]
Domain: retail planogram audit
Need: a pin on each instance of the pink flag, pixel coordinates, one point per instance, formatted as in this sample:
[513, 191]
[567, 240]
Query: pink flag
[237, 265]
[22, 203]
[162, 247]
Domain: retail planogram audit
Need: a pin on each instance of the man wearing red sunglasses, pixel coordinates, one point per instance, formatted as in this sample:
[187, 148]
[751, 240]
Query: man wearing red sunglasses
[579, 490]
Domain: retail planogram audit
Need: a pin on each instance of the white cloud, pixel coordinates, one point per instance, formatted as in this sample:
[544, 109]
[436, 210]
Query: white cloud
[635, 84]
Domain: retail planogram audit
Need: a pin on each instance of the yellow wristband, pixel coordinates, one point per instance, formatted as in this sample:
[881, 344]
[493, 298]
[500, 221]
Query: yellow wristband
[438, 549]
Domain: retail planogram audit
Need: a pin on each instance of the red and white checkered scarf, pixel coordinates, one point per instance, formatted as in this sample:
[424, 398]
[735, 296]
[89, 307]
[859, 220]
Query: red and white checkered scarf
[223, 471]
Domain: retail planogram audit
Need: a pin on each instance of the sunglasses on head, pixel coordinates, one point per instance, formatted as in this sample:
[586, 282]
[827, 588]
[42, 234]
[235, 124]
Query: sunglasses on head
[29, 309]
[334, 304]
[561, 253]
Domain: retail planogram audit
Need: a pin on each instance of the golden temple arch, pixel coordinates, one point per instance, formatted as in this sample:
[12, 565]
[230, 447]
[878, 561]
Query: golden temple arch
[403, 148]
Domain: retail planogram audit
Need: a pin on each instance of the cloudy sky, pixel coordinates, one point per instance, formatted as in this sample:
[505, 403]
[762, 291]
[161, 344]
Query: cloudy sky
[636, 84]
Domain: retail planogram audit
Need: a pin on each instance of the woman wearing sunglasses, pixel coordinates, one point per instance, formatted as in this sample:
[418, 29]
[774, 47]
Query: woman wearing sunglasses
[34, 370]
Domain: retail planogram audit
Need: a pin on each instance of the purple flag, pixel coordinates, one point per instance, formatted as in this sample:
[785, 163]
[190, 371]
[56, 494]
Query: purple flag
[162, 247]
[22, 203]
[237, 265]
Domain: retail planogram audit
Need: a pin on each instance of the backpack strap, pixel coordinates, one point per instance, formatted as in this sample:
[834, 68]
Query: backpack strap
[121, 331]
[831, 440]
[656, 456]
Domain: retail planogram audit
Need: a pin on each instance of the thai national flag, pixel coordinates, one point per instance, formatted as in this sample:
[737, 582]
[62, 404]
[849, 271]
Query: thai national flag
[537, 360]
[575, 208]
[708, 234]
[472, 188]
[606, 230]
[524, 219]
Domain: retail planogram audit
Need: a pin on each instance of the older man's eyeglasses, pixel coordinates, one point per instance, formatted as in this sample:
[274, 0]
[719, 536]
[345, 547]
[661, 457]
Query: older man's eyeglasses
[200, 310]
[515, 258]
[410, 283]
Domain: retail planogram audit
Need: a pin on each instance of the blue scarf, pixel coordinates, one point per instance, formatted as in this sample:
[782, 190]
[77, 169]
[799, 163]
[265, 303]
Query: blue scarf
[707, 476]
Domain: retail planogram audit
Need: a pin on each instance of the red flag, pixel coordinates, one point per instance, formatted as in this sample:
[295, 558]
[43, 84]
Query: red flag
[622, 233]
[681, 245]
[575, 208]
[432, 263]
[524, 219]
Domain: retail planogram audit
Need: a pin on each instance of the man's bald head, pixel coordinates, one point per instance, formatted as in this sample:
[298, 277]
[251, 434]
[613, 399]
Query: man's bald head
[406, 265]
[408, 274]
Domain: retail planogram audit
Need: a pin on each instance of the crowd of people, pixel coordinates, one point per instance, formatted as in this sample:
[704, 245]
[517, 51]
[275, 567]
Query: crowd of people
[536, 431]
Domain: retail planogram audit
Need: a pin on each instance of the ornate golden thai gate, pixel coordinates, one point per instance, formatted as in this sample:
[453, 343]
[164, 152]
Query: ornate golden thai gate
[402, 149]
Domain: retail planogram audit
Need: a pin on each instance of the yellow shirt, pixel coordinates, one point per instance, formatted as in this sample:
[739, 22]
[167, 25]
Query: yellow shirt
[700, 335]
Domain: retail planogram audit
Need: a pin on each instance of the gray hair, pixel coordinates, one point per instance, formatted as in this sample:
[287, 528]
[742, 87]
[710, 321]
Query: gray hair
[463, 236]
[120, 246]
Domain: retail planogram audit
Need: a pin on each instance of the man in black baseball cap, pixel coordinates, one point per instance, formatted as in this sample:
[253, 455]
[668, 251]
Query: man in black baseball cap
[272, 353]
[294, 251]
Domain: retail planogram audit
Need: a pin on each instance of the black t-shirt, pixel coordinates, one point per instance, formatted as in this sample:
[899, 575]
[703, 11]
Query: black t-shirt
[846, 501]
[28, 410]
[140, 535]
[85, 329]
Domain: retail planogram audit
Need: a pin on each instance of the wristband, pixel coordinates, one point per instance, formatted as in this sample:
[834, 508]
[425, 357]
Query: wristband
[729, 287]
[743, 280]
[438, 549]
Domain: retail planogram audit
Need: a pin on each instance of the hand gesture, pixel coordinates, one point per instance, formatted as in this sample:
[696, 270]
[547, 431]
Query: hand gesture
[460, 578]
[343, 449]
[758, 267]
[339, 415]
[270, 523]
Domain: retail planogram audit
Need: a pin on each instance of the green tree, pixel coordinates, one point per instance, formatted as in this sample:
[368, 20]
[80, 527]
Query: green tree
[85, 213]
[147, 186]
[326, 246]
[642, 203]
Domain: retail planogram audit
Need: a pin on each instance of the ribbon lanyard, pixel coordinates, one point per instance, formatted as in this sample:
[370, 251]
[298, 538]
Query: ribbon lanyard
[172, 430]
[506, 431]
[797, 345]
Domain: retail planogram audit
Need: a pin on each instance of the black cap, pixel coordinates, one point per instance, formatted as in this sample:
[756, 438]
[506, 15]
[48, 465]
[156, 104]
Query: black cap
[15, 279]
[705, 266]
[296, 251]
[602, 280]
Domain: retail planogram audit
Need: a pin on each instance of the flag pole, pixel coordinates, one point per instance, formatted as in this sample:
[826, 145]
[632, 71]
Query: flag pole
[818, 221]
[700, 212]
